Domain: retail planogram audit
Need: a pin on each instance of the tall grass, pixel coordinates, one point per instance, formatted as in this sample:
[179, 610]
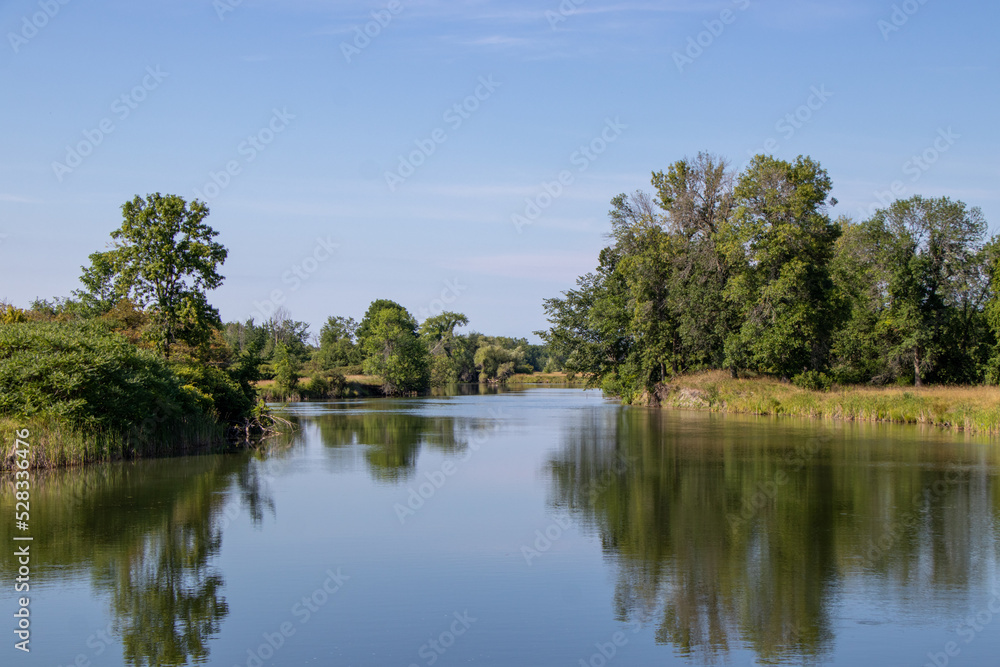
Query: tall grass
[54, 443]
[964, 408]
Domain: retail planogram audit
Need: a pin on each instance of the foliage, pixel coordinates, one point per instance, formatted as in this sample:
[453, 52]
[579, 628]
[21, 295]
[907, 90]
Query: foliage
[814, 380]
[338, 343]
[89, 378]
[12, 315]
[230, 400]
[497, 363]
[916, 279]
[748, 273]
[779, 246]
[286, 369]
[164, 257]
[392, 349]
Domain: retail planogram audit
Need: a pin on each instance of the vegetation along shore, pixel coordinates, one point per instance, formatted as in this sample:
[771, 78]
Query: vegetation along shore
[719, 290]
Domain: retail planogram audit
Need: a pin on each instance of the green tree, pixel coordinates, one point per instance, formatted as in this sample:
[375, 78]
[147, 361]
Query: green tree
[337, 343]
[926, 275]
[163, 257]
[779, 248]
[497, 363]
[393, 351]
[286, 369]
[438, 332]
[367, 325]
[697, 198]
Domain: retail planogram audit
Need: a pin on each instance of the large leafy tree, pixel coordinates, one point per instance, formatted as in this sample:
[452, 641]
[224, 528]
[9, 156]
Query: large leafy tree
[697, 198]
[393, 351]
[779, 247]
[337, 343]
[917, 277]
[438, 332]
[164, 257]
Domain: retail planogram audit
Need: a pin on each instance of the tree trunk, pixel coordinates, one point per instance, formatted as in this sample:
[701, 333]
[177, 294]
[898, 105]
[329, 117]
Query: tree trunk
[917, 382]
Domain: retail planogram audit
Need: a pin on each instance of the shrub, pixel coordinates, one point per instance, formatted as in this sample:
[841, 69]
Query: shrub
[814, 380]
[228, 399]
[87, 377]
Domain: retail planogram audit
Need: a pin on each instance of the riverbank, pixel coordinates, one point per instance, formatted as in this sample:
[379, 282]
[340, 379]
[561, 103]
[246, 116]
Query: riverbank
[560, 379]
[352, 386]
[960, 408]
[55, 444]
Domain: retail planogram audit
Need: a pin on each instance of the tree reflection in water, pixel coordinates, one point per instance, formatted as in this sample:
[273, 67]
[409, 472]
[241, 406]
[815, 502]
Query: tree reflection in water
[726, 533]
[152, 554]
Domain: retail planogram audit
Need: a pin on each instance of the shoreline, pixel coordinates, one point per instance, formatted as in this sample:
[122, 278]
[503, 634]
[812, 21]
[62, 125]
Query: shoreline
[963, 408]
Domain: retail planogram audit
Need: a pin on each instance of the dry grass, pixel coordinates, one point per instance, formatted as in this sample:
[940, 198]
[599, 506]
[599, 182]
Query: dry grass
[966, 408]
[545, 378]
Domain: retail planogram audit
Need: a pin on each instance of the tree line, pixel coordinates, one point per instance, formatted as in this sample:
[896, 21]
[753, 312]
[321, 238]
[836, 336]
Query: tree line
[749, 272]
[387, 343]
[141, 354]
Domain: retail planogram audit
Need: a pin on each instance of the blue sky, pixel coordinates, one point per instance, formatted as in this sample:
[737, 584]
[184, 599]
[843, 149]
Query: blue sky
[111, 99]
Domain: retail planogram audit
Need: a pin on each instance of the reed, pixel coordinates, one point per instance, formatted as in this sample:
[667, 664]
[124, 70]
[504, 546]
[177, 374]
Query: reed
[963, 408]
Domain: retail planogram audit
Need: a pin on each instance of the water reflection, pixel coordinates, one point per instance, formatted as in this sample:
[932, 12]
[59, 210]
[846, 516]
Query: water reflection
[146, 534]
[725, 535]
[393, 437]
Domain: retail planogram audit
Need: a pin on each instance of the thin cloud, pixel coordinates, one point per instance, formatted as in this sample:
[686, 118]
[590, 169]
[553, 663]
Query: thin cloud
[15, 199]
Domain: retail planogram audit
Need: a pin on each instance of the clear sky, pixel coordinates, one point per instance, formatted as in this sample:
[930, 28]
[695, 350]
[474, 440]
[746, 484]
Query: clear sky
[300, 116]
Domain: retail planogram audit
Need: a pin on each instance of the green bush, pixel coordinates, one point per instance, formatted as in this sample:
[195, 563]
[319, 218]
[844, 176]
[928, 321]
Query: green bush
[87, 377]
[228, 399]
[814, 380]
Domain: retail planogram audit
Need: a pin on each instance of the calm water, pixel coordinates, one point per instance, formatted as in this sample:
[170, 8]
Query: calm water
[539, 527]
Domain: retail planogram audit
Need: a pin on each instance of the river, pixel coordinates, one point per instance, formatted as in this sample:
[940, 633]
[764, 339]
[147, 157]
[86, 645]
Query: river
[525, 527]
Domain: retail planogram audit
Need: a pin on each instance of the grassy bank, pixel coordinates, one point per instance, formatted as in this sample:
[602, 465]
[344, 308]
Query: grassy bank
[54, 443]
[353, 386]
[970, 409]
[546, 378]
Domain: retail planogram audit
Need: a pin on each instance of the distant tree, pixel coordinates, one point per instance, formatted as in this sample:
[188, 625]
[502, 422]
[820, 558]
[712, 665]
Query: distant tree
[393, 351]
[163, 257]
[286, 369]
[497, 363]
[337, 343]
[365, 328]
[438, 333]
[280, 328]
